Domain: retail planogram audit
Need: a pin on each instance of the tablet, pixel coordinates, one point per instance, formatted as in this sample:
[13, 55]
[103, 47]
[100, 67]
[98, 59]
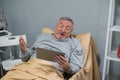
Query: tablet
[47, 54]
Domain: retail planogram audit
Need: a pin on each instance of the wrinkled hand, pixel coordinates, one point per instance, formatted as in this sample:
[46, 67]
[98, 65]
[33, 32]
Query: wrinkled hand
[62, 62]
[23, 45]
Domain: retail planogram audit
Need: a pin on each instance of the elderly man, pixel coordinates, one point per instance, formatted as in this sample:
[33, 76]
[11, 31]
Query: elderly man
[60, 41]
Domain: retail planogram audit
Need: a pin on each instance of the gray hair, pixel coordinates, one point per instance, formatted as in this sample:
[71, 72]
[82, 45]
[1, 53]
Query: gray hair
[67, 18]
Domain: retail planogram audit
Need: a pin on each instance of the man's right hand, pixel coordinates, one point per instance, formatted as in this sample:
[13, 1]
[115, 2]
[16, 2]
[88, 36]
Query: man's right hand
[23, 44]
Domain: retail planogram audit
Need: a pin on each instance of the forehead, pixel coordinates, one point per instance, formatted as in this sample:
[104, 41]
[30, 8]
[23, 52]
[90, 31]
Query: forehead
[66, 22]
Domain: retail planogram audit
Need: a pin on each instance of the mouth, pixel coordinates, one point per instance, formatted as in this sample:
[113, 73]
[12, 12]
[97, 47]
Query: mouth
[62, 34]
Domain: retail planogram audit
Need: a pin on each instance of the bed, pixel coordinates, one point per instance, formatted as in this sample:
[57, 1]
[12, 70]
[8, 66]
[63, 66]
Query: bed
[90, 71]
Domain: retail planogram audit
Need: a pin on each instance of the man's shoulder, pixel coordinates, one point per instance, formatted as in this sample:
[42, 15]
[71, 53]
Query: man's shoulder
[74, 40]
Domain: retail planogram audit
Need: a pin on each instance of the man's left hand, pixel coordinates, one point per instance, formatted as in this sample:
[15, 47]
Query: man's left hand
[62, 62]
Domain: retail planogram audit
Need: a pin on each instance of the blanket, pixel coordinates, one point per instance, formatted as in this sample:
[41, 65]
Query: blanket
[34, 69]
[90, 71]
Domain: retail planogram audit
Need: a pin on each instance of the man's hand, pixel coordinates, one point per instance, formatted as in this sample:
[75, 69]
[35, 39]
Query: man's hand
[62, 62]
[23, 45]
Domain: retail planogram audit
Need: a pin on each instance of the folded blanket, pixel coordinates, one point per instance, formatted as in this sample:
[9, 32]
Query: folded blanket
[34, 69]
[90, 71]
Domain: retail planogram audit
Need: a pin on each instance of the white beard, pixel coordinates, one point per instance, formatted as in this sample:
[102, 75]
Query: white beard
[58, 37]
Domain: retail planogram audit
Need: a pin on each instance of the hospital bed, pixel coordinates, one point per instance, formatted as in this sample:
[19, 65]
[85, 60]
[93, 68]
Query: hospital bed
[90, 71]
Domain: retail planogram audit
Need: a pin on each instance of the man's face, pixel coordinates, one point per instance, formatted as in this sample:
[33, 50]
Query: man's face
[63, 29]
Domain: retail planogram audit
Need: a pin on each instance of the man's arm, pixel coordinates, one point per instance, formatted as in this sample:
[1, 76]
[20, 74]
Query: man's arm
[75, 61]
[24, 54]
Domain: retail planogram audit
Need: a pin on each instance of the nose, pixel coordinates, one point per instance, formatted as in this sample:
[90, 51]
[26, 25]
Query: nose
[63, 29]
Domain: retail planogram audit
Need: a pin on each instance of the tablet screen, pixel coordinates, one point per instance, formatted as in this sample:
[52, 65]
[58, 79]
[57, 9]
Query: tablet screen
[47, 54]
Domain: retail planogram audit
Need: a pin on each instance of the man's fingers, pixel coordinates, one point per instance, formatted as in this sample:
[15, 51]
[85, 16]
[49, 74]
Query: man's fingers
[57, 58]
[61, 60]
[23, 45]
